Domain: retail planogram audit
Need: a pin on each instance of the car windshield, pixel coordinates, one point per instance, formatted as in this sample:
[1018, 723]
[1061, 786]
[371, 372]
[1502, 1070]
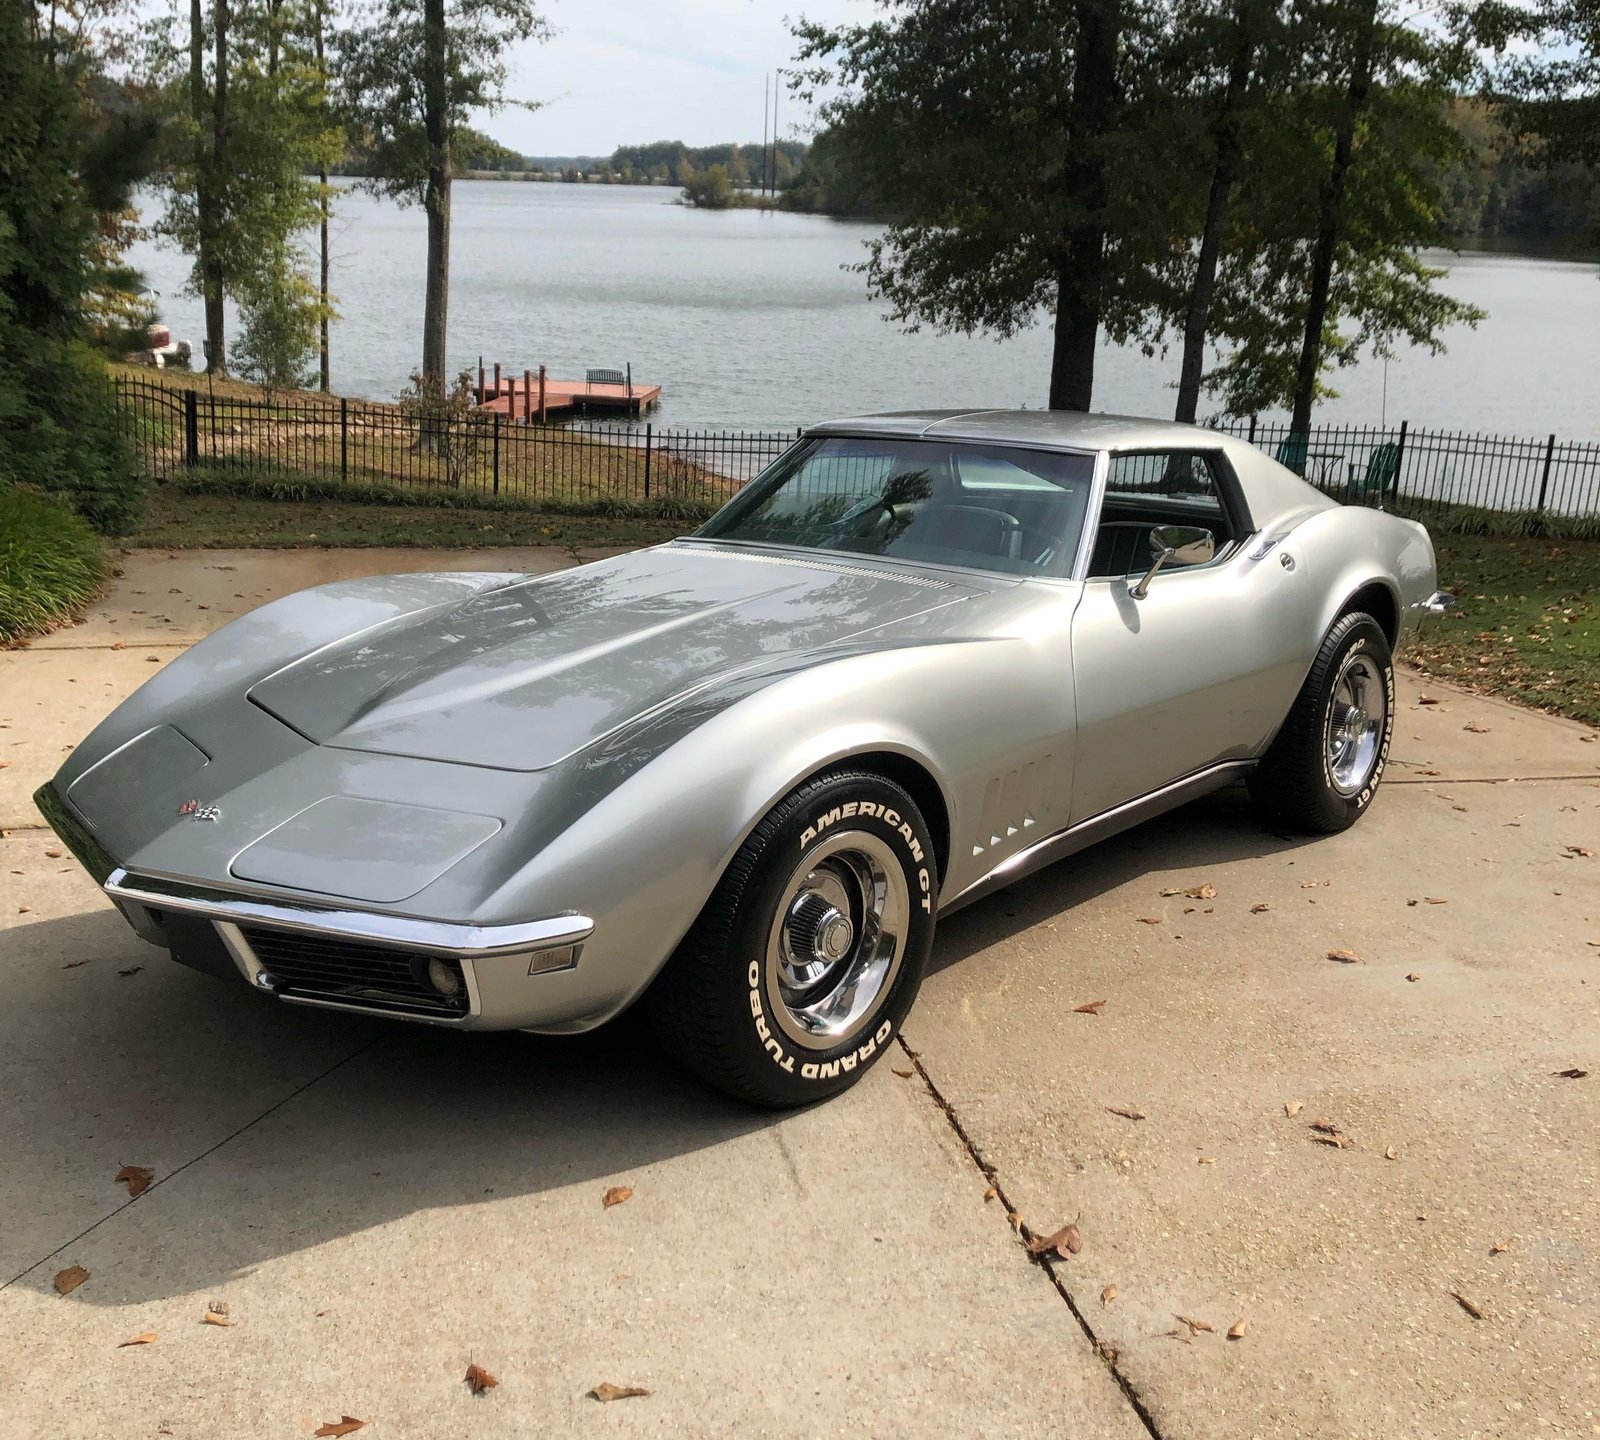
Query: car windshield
[989, 507]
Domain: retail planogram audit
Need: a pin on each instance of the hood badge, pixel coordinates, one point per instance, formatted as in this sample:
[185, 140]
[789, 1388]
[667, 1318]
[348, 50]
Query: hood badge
[196, 811]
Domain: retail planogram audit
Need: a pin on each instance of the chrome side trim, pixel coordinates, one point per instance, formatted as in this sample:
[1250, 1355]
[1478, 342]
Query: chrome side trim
[437, 937]
[243, 956]
[1098, 827]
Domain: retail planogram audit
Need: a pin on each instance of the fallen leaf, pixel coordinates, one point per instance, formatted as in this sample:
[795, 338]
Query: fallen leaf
[137, 1178]
[119, 644]
[1260, 909]
[130, 971]
[1149, 919]
[1476, 728]
[1325, 1127]
[216, 1313]
[344, 1425]
[68, 1280]
[1500, 1247]
[605, 1390]
[1130, 1112]
[480, 1379]
[903, 1074]
[52, 854]
[1413, 976]
[1236, 1331]
[615, 1196]
[1338, 1142]
[1579, 850]
[1435, 900]
[1427, 700]
[989, 1194]
[1206, 1160]
[148, 1338]
[1065, 1242]
[1391, 1153]
[1195, 1326]
[1573, 1074]
[1094, 1007]
[1201, 892]
[73, 964]
[1473, 1310]
[1175, 890]
[1293, 1108]
[1108, 1294]
[153, 659]
[1344, 957]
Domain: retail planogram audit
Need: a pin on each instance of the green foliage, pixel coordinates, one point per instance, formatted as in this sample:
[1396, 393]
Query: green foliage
[1545, 72]
[473, 150]
[59, 429]
[448, 421]
[281, 313]
[50, 563]
[709, 189]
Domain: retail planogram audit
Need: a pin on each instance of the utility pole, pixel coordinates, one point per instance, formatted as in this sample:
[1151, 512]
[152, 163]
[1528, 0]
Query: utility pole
[766, 86]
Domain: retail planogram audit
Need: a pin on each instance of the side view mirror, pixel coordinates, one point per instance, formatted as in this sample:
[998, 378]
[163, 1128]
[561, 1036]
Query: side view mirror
[1182, 544]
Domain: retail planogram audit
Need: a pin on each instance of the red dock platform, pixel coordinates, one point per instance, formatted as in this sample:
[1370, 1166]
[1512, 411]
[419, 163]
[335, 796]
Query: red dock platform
[535, 397]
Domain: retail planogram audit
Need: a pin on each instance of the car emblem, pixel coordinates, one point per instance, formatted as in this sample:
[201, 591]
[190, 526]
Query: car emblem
[196, 811]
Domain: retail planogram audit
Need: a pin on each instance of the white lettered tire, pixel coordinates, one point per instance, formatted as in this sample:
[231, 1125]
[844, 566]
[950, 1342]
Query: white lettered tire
[797, 975]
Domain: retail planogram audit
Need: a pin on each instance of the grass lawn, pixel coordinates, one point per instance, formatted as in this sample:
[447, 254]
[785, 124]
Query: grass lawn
[176, 520]
[1527, 624]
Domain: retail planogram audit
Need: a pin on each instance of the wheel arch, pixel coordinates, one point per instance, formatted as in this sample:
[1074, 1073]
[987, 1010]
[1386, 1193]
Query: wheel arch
[915, 779]
[1378, 599]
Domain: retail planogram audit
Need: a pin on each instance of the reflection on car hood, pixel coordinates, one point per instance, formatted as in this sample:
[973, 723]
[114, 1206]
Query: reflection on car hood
[529, 673]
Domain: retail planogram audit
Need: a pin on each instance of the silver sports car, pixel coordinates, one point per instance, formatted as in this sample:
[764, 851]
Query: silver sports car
[741, 775]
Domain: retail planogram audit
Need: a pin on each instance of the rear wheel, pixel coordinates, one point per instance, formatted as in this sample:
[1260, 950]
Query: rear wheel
[1322, 770]
[805, 960]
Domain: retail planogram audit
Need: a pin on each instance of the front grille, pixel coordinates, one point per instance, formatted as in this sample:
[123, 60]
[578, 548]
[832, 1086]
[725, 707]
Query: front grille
[352, 973]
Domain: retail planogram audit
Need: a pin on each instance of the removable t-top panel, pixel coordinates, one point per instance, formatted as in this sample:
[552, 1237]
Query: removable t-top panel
[363, 849]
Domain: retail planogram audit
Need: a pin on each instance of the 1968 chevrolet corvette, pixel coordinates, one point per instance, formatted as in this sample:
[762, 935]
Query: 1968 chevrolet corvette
[738, 777]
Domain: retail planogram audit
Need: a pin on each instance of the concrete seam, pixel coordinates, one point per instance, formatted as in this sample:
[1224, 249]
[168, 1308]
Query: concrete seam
[1107, 1354]
[195, 1159]
[1490, 779]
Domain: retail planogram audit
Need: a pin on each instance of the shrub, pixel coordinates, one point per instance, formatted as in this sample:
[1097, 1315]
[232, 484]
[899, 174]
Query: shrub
[710, 189]
[51, 564]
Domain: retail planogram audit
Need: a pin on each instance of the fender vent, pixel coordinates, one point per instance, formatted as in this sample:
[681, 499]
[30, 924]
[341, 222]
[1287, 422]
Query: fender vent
[1013, 803]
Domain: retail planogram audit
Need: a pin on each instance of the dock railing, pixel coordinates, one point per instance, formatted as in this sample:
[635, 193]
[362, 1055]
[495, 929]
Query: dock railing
[299, 445]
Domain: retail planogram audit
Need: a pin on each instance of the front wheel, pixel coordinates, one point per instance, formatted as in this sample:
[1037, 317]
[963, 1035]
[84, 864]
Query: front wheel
[809, 953]
[1322, 770]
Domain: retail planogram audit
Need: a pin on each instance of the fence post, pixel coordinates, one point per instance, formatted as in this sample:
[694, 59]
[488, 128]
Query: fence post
[648, 437]
[191, 427]
[1544, 479]
[496, 429]
[1399, 457]
[543, 417]
[344, 438]
[1252, 429]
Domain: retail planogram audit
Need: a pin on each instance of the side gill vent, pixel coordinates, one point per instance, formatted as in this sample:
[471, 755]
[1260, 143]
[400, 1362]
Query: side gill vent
[1013, 803]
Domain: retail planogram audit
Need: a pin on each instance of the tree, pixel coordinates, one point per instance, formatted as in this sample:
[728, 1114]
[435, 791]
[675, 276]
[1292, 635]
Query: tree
[1009, 143]
[410, 80]
[709, 189]
[59, 429]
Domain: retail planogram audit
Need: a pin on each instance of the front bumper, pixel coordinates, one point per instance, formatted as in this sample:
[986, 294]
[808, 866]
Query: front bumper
[332, 957]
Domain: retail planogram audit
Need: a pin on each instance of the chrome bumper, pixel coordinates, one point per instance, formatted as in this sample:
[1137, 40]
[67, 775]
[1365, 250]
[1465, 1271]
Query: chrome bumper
[505, 953]
[1436, 604]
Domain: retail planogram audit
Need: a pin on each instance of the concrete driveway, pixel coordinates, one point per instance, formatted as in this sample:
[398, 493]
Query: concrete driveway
[379, 1207]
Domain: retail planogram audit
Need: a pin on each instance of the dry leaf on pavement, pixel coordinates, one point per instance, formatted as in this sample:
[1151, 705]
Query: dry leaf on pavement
[1260, 909]
[137, 1178]
[1427, 700]
[480, 1379]
[1413, 977]
[1201, 892]
[1149, 919]
[68, 1280]
[1094, 1007]
[1236, 1331]
[1391, 1153]
[989, 1194]
[1573, 1074]
[216, 1313]
[1581, 851]
[1195, 1326]
[1435, 900]
[1108, 1294]
[1500, 1246]
[344, 1425]
[1472, 1309]
[1293, 1107]
[1476, 728]
[1066, 1241]
[1344, 957]
[615, 1196]
[148, 1338]
[1128, 1112]
[605, 1390]
[903, 1074]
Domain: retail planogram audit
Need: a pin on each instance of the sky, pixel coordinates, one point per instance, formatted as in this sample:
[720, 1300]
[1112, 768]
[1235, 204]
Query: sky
[623, 72]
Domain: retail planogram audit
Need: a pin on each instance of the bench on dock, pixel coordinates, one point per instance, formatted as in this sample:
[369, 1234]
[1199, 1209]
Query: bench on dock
[591, 378]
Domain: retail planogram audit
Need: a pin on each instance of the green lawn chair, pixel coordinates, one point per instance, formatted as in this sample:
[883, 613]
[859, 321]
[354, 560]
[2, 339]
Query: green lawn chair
[1383, 464]
[1291, 453]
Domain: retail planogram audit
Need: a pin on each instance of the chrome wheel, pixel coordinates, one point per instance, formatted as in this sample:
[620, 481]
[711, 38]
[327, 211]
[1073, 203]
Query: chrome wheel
[1357, 719]
[837, 938]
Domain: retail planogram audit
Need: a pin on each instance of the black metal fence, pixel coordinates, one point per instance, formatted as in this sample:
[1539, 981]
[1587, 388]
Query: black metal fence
[299, 443]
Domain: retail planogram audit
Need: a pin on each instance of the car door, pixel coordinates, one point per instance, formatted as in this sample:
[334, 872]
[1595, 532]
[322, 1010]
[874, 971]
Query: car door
[1204, 667]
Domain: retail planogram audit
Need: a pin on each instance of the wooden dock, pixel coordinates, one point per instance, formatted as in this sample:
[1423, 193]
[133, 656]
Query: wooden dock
[534, 398]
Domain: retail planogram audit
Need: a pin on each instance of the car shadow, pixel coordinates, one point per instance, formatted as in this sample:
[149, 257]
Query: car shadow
[367, 1122]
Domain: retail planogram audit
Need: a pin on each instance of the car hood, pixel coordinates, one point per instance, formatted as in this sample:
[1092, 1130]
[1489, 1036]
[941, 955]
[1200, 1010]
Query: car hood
[532, 672]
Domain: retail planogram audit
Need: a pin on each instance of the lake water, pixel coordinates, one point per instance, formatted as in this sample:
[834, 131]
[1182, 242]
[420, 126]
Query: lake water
[748, 320]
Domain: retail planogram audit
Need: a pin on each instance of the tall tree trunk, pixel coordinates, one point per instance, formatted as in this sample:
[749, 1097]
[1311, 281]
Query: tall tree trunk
[1197, 315]
[206, 113]
[1330, 213]
[1080, 277]
[436, 121]
[324, 202]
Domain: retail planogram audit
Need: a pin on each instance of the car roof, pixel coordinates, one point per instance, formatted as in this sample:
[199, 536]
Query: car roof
[1071, 429]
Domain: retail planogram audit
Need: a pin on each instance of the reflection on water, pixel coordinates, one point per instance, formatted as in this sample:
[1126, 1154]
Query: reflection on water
[750, 321]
